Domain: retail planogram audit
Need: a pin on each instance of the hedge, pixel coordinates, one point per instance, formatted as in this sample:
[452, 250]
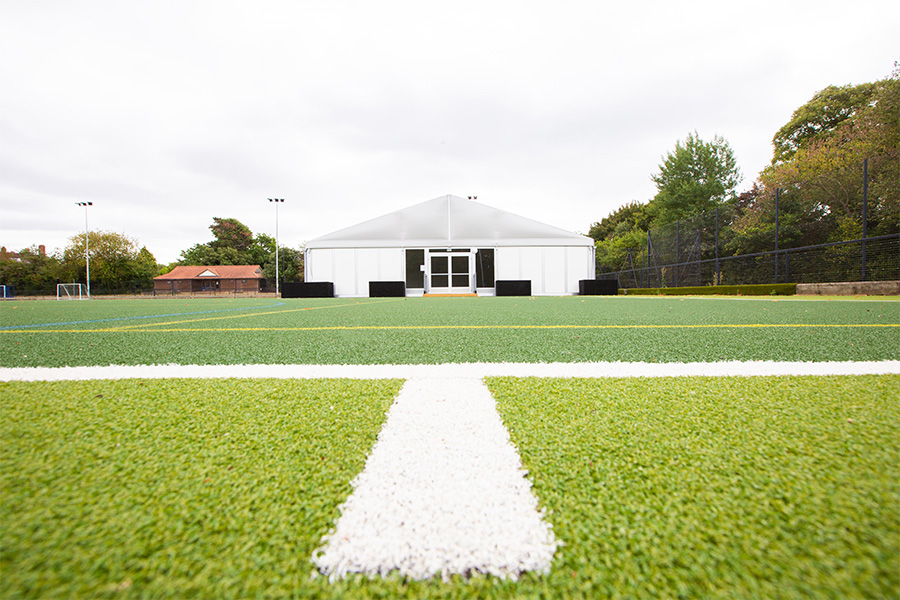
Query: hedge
[767, 289]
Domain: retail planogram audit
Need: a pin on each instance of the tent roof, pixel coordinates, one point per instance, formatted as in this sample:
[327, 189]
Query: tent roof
[449, 221]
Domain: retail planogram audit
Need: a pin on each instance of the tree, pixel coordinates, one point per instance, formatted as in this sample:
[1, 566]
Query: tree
[696, 177]
[33, 271]
[626, 218]
[230, 233]
[290, 265]
[116, 261]
[820, 181]
[145, 267]
[207, 254]
[234, 244]
[199, 254]
[261, 250]
[612, 253]
[819, 117]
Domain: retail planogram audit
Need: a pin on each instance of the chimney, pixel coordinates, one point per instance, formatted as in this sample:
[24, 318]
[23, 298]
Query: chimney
[42, 250]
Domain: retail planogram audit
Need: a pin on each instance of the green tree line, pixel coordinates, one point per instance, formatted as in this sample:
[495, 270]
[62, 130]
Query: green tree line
[234, 244]
[816, 168]
[120, 265]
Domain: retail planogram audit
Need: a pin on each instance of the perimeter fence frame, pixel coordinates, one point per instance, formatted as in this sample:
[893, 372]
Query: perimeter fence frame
[773, 266]
[700, 250]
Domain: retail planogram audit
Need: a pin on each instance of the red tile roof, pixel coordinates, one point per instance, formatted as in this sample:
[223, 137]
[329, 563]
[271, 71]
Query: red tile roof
[215, 272]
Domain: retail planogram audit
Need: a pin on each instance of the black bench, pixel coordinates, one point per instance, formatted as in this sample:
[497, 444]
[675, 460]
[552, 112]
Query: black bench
[387, 289]
[598, 287]
[312, 289]
[512, 287]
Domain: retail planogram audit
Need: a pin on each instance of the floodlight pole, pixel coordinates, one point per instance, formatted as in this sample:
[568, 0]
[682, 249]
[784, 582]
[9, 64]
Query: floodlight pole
[87, 254]
[277, 272]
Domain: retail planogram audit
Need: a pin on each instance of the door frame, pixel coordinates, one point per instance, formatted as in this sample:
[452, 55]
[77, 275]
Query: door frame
[450, 254]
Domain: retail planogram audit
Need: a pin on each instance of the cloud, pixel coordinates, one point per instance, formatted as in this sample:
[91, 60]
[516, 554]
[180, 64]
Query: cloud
[167, 114]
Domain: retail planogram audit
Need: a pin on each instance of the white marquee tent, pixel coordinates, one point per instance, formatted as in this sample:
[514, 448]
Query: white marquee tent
[450, 245]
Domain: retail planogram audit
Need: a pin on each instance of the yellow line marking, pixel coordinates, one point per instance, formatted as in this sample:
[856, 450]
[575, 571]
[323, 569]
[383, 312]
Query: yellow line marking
[239, 316]
[463, 327]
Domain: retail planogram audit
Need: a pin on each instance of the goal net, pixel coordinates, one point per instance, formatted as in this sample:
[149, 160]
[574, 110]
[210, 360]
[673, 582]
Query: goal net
[69, 291]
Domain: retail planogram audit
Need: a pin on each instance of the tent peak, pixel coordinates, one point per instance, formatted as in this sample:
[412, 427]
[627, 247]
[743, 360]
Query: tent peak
[446, 221]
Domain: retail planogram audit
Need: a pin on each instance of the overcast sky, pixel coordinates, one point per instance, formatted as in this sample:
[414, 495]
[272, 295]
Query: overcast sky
[166, 114]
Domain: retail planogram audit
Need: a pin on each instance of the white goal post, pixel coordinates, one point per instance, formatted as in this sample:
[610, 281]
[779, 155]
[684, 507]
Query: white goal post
[70, 291]
[6, 291]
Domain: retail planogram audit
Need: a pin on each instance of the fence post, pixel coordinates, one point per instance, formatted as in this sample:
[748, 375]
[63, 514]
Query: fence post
[777, 197]
[698, 248]
[647, 262]
[677, 243]
[659, 282]
[865, 215]
[634, 276]
[718, 274]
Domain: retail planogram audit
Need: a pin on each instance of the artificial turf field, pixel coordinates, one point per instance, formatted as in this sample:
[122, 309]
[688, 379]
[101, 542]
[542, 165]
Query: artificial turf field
[445, 330]
[693, 487]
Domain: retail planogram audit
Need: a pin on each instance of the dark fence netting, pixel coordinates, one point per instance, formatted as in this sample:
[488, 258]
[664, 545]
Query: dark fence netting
[778, 239]
[868, 259]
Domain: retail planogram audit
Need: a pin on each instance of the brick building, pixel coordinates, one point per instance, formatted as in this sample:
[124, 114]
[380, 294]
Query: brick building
[218, 278]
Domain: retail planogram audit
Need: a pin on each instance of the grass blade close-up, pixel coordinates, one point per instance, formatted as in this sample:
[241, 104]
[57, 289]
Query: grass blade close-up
[784, 487]
[176, 488]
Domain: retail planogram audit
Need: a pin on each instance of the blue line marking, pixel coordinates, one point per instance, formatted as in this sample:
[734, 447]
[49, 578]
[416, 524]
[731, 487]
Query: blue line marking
[201, 312]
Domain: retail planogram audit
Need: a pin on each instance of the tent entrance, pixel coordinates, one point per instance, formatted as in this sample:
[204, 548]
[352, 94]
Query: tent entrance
[450, 272]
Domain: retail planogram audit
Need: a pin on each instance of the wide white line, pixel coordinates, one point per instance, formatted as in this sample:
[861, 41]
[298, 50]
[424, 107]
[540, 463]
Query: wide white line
[463, 370]
[443, 492]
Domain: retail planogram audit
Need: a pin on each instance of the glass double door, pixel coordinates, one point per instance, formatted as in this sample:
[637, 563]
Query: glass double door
[450, 272]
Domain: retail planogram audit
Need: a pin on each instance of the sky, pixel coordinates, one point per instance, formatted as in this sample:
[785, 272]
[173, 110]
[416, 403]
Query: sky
[165, 114]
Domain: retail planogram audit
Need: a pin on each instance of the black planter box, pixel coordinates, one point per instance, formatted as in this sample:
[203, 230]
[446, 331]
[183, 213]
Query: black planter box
[598, 287]
[387, 289]
[512, 287]
[313, 289]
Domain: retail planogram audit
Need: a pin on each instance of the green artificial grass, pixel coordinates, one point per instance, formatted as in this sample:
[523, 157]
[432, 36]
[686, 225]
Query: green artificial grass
[442, 330]
[176, 488]
[770, 487]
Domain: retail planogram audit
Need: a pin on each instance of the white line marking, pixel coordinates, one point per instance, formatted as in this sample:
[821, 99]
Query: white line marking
[443, 492]
[464, 370]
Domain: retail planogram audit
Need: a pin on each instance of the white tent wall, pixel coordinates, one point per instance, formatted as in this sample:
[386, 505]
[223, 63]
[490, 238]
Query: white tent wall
[554, 260]
[351, 269]
[581, 263]
[318, 265]
[553, 270]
